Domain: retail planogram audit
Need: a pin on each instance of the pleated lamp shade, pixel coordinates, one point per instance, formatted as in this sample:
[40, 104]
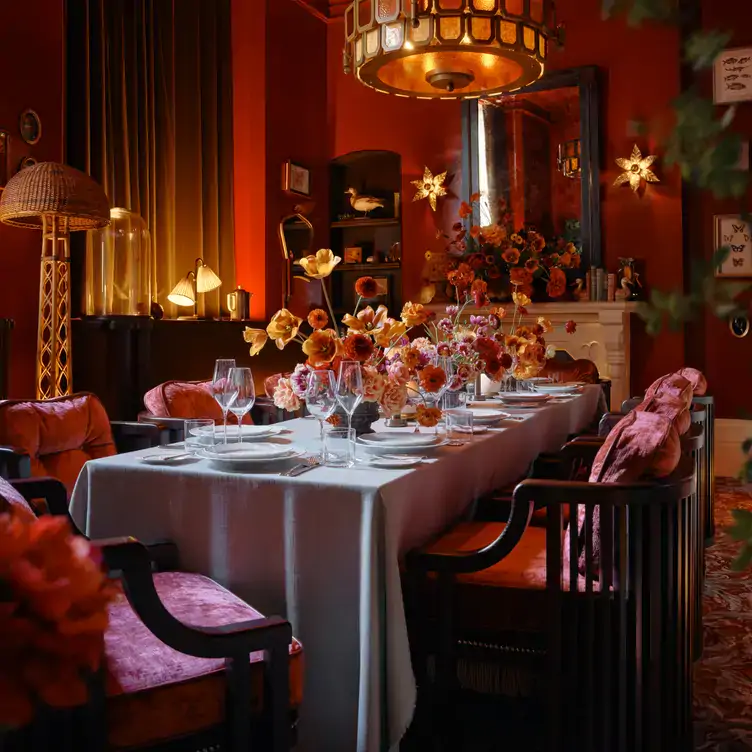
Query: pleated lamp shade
[48, 189]
[182, 293]
[206, 279]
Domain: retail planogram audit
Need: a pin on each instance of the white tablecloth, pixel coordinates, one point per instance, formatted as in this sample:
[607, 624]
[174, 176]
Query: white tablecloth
[322, 550]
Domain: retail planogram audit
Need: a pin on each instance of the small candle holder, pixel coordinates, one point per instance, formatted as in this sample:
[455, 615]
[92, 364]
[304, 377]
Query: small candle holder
[396, 421]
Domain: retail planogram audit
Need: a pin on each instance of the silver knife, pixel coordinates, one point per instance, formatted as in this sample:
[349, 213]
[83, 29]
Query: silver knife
[294, 472]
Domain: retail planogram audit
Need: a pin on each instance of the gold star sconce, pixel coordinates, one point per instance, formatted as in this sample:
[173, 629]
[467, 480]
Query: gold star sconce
[430, 187]
[636, 170]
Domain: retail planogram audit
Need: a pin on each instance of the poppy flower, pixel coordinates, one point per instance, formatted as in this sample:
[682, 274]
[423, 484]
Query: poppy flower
[358, 347]
[432, 378]
[557, 284]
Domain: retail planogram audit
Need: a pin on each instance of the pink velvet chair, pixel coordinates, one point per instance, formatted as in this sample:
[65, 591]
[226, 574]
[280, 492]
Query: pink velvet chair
[188, 665]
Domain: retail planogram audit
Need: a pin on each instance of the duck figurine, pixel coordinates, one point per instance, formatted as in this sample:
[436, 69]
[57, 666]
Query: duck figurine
[365, 204]
[579, 292]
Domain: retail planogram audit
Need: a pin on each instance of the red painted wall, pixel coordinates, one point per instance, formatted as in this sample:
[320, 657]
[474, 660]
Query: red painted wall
[31, 56]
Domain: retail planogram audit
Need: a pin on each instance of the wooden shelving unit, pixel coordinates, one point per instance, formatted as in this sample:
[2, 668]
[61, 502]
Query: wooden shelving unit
[366, 222]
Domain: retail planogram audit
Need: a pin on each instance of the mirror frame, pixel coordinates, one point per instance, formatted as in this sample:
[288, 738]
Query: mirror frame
[287, 255]
[586, 80]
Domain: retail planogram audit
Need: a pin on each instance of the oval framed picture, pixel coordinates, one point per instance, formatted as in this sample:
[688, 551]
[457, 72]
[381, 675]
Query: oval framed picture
[30, 126]
[739, 326]
[26, 162]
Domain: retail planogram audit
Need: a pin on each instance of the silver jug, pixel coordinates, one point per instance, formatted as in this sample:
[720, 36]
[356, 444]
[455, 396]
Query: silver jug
[239, 304]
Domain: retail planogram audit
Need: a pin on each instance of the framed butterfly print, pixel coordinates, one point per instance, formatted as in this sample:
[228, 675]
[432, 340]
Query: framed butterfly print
[734, 233]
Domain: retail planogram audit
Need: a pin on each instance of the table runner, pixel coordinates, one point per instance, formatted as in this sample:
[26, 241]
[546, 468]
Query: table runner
[323, 551]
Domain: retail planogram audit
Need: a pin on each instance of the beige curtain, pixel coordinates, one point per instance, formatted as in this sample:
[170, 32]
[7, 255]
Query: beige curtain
[150, 117]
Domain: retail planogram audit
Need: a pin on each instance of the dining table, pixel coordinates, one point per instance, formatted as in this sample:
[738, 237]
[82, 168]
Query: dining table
[323, 549]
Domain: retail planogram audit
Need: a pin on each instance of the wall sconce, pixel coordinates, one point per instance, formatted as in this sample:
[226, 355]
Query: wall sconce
[568, 161]
[636, 170]
[185, 293]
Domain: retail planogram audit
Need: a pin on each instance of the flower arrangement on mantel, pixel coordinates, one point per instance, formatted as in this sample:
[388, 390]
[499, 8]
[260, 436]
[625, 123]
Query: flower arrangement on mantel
[396, 367]
[53, 616]
[505, 258]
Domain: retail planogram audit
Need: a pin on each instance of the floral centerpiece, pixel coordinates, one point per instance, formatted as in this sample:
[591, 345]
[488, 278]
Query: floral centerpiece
[53, 616]
[505, 258]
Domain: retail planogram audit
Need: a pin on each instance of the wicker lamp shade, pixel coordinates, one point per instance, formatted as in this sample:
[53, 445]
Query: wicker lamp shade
[52, 189]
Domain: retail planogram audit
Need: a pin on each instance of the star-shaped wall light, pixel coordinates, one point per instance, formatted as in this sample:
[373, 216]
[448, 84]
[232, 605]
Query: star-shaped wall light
[431, 187]
[636, 169]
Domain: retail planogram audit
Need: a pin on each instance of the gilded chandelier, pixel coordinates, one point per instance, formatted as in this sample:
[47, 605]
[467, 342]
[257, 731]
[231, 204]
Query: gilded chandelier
[448, 49]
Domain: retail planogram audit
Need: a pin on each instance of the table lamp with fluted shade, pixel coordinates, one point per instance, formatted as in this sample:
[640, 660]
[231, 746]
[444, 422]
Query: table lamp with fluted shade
[199, 280]
[57, 200]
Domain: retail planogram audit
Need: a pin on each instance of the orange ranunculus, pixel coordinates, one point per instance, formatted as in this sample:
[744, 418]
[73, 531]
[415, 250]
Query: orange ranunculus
[428, 417]
[432, 378]
[410, 357]
[465, 210]
[557, 284]
[322, 347]
[283, 328]
[358, 347]
[318, 318]
[367, 287]
[532, 265]
[389, 333]
[511, 255]
[520, 276]
[565, 259]
[413, 314]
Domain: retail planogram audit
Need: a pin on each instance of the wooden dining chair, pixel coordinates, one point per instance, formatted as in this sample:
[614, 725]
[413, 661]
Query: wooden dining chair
[188, 665]
[612, 654]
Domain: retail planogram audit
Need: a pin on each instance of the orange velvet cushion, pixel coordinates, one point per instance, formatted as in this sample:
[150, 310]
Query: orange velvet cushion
[185, 399]
[156, 693]
[572, 370]
[59, 435]
[12, 501]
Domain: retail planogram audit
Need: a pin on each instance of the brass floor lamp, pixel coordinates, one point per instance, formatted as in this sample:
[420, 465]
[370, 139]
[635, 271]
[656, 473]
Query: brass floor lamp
[57, 200]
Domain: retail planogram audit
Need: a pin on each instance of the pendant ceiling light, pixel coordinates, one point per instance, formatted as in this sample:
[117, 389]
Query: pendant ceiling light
[448, 49]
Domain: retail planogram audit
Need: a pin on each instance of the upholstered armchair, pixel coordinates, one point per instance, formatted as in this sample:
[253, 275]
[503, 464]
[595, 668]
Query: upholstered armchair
[566, 368]
[188, 665]
[56, 437]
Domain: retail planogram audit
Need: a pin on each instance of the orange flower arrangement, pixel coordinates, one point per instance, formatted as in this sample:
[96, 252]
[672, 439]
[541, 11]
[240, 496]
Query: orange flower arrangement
[557, 284]
[519, 275]
[317, 319]
[53, 616]
[432, 378]
[428, 417]
[367, 287]
[358, 347]
[322, 347]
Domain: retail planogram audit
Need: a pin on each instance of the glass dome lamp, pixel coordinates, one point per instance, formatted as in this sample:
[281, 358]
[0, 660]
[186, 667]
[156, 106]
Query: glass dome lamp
[119, 267]
[448, 49]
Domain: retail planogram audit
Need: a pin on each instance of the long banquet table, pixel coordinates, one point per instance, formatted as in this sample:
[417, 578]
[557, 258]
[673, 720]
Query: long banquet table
[322, 550]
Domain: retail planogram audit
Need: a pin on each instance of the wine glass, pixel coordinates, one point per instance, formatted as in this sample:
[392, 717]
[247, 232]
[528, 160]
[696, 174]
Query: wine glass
[350, 387]
[222, 389]
[321, 398]
[245, 395]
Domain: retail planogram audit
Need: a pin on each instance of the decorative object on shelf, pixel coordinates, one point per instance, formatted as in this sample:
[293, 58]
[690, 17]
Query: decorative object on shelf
[58, 200]
[30, 127]
[636, 170]
[581, 292]
[568, 161]
[425, 49]
[4, 143]
[296, 238]
[239, 304]
[732, 76]
[395, 252]
[296, 179]
[397, 204]
[26, 162]
[365, 204]
[199, 280]
[118, 279]
[353, 255]
[611, 284]
[629, 280]
[430, 187]
[733, 233]
[739, 326]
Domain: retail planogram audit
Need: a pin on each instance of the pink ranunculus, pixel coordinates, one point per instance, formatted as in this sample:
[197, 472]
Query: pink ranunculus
[394, 398]
[299, 380]
[373, 384]
[399, 373]
[284, 396]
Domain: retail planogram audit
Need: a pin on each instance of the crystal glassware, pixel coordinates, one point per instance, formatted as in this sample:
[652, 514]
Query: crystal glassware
[321, 398]
[458, 423]
[339, 447]
[222, 388]
[245, 395]
[350, 387]
[199, 434]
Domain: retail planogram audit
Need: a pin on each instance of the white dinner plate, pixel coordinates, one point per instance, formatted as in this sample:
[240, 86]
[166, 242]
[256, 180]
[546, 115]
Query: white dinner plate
[399, 438]
[495, 402]
[481, 415]
[167, 458]
[245, 453]
[554, 389]
[524, 397]
[437, 441]
[245, 432]
[395, 463]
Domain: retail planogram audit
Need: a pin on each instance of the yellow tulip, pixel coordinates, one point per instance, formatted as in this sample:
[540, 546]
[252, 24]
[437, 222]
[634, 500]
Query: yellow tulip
[322, 347]
[367, 320]
[321, 265]
[256, 338]
[389, 333]
[283, 327]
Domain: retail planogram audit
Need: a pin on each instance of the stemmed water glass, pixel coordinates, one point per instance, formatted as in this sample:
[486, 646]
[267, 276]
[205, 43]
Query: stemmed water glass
[241, 380]
[349, 387]
[321, 398]
[222, 389]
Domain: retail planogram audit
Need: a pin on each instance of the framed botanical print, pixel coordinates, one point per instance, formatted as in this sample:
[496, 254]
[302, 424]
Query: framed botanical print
[732, 76]
[296, 179]
[732, 232]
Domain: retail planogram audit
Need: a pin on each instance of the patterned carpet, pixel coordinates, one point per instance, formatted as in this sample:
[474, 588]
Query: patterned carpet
[723, 678]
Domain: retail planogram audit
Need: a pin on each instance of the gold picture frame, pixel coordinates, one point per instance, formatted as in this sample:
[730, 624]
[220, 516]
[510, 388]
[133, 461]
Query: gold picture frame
[733, 232]
[296, 179]
[30, 127]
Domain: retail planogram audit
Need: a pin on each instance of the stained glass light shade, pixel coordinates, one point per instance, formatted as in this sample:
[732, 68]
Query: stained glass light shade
[448, 49]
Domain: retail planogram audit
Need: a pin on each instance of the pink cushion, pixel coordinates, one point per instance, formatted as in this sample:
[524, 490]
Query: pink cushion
[185, 399]
[60, 435]
[671, 385]
[697, 379]
[670, 407]
[12, 501]
[156, 693]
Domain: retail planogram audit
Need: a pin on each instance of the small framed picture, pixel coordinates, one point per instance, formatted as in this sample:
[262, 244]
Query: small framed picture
[734, 233]
[30, 126]
[732, 76]
[354, 255]
[296, 179]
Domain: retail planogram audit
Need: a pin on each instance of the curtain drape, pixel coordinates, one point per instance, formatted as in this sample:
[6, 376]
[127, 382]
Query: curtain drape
[150, 116]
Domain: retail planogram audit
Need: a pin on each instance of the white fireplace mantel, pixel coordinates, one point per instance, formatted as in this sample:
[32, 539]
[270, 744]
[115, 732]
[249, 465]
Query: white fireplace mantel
[602, 335]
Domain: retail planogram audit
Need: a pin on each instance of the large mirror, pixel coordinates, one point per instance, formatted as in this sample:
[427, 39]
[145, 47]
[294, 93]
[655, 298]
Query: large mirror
[296, 239]
[538, 150]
